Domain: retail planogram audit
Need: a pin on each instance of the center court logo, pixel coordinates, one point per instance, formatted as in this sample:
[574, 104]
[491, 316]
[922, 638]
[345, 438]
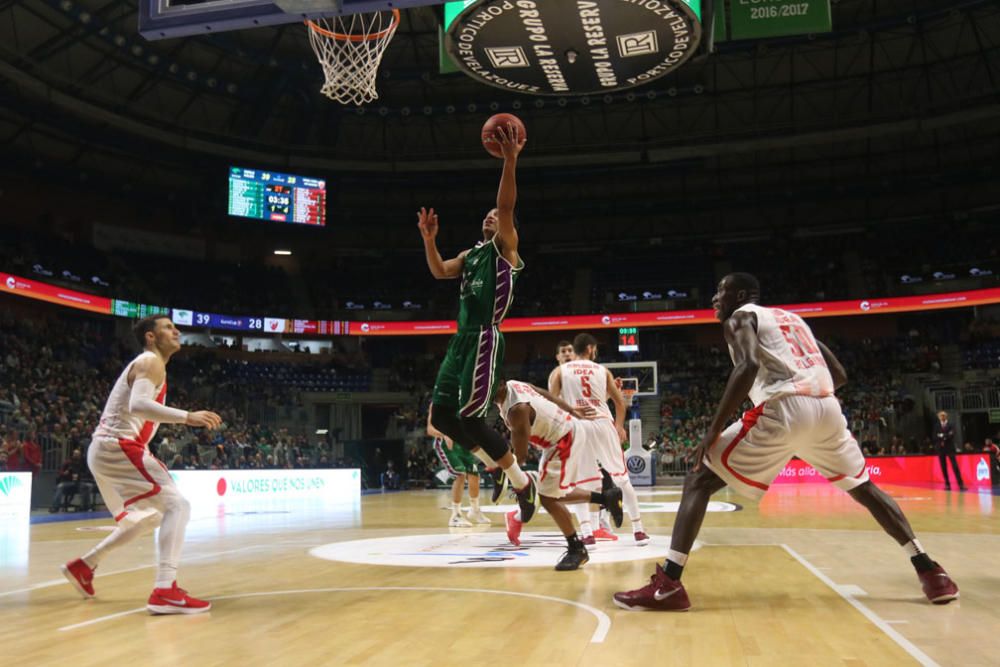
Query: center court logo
[480, 549]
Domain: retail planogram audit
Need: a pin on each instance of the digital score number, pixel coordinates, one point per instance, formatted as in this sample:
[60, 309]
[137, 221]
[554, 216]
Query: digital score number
[628, 339]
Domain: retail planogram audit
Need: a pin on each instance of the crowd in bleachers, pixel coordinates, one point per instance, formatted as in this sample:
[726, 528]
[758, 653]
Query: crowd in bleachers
[862, 264]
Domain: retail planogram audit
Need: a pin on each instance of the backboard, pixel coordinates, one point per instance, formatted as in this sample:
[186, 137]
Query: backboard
[646, 372]
[161, 19]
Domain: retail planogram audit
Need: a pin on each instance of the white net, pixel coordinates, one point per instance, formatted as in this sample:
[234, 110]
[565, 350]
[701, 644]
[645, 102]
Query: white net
[350, 49]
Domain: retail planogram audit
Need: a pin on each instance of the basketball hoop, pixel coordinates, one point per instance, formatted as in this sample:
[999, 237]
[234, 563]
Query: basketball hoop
[629, 388]
[349, 49]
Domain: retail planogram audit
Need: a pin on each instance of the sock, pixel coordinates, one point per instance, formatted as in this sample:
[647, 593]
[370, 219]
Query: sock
[516, 476]
[582, 514]
[574, 542]
[637, 526]
[913, 548]
[918, 557]
[630, 500]
[166, 575]
[119, 537]
[456, 508]
[596, 498]
[474, 502]
[170, 541]
[595, 518]
[517, 515]
[674, 565]
[485, 458]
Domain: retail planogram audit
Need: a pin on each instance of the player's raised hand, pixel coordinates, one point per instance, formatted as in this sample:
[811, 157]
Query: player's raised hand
[204, 419]
[511, 140]
[427, 222]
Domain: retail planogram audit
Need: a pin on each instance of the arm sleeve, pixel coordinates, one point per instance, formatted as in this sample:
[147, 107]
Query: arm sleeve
[141, 403]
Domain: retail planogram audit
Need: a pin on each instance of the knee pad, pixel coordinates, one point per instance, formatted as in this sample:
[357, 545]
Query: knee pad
[481, 435]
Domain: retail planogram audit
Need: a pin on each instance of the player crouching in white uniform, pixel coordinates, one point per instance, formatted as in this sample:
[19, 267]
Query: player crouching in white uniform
[135, 485]
[582, 382]
[566, 437]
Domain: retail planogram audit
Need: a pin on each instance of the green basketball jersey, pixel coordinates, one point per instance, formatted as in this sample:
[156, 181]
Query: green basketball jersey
[487, 287]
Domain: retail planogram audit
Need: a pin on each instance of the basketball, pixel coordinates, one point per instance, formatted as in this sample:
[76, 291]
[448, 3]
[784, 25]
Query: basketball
[490, 141]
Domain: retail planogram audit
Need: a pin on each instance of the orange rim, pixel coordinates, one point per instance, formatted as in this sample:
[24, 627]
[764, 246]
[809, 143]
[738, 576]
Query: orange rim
[356, 38]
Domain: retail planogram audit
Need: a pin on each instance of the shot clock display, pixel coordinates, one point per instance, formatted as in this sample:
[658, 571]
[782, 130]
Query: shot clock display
[628, 339]
[269, 195]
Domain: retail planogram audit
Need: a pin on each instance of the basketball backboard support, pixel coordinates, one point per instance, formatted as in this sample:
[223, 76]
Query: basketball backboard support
[645, 372]
[162, 19]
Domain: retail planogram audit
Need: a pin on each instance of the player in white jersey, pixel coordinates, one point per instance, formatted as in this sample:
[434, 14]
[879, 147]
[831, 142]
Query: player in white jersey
[583, 382]
[790, 377]
[566, 436]
[135, 485]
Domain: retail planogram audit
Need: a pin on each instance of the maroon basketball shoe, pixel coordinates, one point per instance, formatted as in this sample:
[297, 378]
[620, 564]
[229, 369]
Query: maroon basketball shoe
[938, 586]
[661, 594]
[78, 573]
[589, 540]
[641, 538]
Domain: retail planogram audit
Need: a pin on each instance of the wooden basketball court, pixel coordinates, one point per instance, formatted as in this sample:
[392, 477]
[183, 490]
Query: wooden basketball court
[802, 578]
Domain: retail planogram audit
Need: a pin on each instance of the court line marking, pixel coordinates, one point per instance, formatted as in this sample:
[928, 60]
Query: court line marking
[877, 620]
[62, 580]
[600, 633]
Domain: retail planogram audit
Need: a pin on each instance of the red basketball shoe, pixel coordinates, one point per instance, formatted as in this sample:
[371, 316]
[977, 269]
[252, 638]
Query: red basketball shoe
[938, 586]
[175, 600]
[604, 534]
[661, 594]
[78, 573]
[513, 527]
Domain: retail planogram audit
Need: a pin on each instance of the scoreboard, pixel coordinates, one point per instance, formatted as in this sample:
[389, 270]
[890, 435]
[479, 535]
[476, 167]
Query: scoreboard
[628, 339]
[269, 195]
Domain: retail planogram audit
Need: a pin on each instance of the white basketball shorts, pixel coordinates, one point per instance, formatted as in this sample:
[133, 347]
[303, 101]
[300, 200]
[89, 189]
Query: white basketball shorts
[753, 451]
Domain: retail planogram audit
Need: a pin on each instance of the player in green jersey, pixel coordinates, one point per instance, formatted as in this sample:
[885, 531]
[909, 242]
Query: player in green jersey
[470, 372]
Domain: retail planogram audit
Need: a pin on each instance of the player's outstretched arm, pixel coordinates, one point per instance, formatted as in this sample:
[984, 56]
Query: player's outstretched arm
[579, 413]
[618, 398]
[833, 363]
[427, 223]
[511, 143]
[740, 332]
[147, 374]
[519, 423]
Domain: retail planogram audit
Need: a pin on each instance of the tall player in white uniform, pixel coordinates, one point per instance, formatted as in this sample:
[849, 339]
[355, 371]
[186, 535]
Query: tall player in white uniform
[583, 382]
[566, 436]
[135, 485]
[790, 377]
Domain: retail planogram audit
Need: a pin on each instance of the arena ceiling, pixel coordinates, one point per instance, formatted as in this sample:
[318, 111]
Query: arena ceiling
[901, 99]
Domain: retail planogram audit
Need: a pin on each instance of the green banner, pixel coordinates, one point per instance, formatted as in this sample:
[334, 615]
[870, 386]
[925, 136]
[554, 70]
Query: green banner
[754, 19]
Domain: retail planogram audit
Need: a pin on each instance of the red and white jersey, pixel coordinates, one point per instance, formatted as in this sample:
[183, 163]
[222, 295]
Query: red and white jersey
[552, 423]
[791, 362]
[117, 421]
[585, 384]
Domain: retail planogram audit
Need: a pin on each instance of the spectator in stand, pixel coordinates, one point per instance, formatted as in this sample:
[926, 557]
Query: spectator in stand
[73, 477]
[23, 456]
